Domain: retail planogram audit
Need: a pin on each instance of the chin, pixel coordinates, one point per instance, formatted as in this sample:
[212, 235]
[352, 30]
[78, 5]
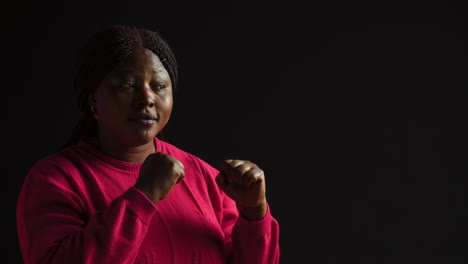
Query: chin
[139, 137]
[145, 138]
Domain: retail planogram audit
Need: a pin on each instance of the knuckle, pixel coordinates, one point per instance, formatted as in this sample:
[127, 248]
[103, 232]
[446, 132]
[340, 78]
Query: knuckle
[260, 172]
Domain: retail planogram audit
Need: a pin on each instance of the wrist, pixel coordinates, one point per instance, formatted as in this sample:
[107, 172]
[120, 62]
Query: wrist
[255, 213]
[153, 195]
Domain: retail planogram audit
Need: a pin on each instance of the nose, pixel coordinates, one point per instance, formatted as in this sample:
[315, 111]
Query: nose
[144, 97]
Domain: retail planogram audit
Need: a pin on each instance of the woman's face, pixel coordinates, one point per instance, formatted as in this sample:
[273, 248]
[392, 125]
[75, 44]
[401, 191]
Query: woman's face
[134, 102]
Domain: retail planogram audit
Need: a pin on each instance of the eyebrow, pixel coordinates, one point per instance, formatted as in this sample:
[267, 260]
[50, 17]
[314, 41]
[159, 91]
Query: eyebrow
[131, 71]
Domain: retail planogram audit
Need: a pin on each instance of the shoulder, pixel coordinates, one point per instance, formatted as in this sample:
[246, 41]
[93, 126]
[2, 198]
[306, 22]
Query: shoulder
[56, 166]
[57, 159]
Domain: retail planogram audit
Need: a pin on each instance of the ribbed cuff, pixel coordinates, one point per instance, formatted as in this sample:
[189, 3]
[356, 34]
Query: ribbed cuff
[259, 227]
[139, 203]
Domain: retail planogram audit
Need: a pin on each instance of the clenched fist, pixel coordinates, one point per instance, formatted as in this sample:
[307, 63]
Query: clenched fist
[159, 173]
[244, 182]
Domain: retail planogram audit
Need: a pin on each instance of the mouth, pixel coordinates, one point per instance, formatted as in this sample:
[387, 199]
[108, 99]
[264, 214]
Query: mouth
[145, 119]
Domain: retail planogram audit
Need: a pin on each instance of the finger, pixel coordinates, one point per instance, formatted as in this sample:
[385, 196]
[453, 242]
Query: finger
[149, 157]
[232, 163]
[252, 176]
[181, 176]
[225, 164]
[234, 171]
[242, 173]
[236, 163]
[179, 165]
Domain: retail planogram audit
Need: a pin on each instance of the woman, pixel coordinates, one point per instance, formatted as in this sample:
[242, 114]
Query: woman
[116, 193]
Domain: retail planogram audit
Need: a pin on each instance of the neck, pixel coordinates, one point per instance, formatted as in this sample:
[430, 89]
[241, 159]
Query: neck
[133, 154]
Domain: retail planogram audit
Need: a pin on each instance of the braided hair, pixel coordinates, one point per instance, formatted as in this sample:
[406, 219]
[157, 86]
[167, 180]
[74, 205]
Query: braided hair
[99, 55]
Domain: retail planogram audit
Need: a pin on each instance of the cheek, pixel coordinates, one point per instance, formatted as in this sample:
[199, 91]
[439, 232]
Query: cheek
[107, 105]
[165, 105]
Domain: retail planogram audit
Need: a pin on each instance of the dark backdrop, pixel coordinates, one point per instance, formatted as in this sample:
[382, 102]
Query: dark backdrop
[355, 110]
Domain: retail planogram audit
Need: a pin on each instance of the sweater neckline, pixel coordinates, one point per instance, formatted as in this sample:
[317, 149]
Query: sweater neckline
[113, 162]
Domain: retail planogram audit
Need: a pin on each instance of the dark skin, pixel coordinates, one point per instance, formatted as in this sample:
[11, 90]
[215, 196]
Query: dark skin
[132, 105]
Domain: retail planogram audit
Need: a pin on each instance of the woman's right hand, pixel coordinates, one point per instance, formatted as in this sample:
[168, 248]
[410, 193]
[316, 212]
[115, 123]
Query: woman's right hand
[159, 173]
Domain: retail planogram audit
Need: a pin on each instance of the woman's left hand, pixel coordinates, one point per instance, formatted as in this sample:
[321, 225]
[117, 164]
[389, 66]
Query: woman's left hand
[244, 182]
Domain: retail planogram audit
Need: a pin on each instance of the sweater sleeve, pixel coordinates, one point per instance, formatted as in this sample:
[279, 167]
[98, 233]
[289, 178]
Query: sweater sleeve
[53, 226]
[255, 241]
[247, 242]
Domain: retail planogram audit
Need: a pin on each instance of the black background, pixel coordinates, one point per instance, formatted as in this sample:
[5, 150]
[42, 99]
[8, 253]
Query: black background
[356, 111]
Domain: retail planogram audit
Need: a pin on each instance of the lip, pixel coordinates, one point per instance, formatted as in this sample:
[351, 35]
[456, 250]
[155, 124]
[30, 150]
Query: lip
[144, 119]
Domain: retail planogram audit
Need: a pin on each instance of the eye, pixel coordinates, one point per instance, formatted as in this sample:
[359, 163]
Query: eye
[159, 87]
[128, 85]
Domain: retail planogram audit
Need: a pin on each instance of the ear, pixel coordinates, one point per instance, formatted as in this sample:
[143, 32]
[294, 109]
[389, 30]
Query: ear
[91, 98]
[92, 105]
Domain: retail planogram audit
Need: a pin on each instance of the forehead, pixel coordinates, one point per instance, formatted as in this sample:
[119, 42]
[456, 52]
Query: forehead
[140, 58]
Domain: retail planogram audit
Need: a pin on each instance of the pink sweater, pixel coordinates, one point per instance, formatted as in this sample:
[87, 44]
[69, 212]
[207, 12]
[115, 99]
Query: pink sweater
[79, 206]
